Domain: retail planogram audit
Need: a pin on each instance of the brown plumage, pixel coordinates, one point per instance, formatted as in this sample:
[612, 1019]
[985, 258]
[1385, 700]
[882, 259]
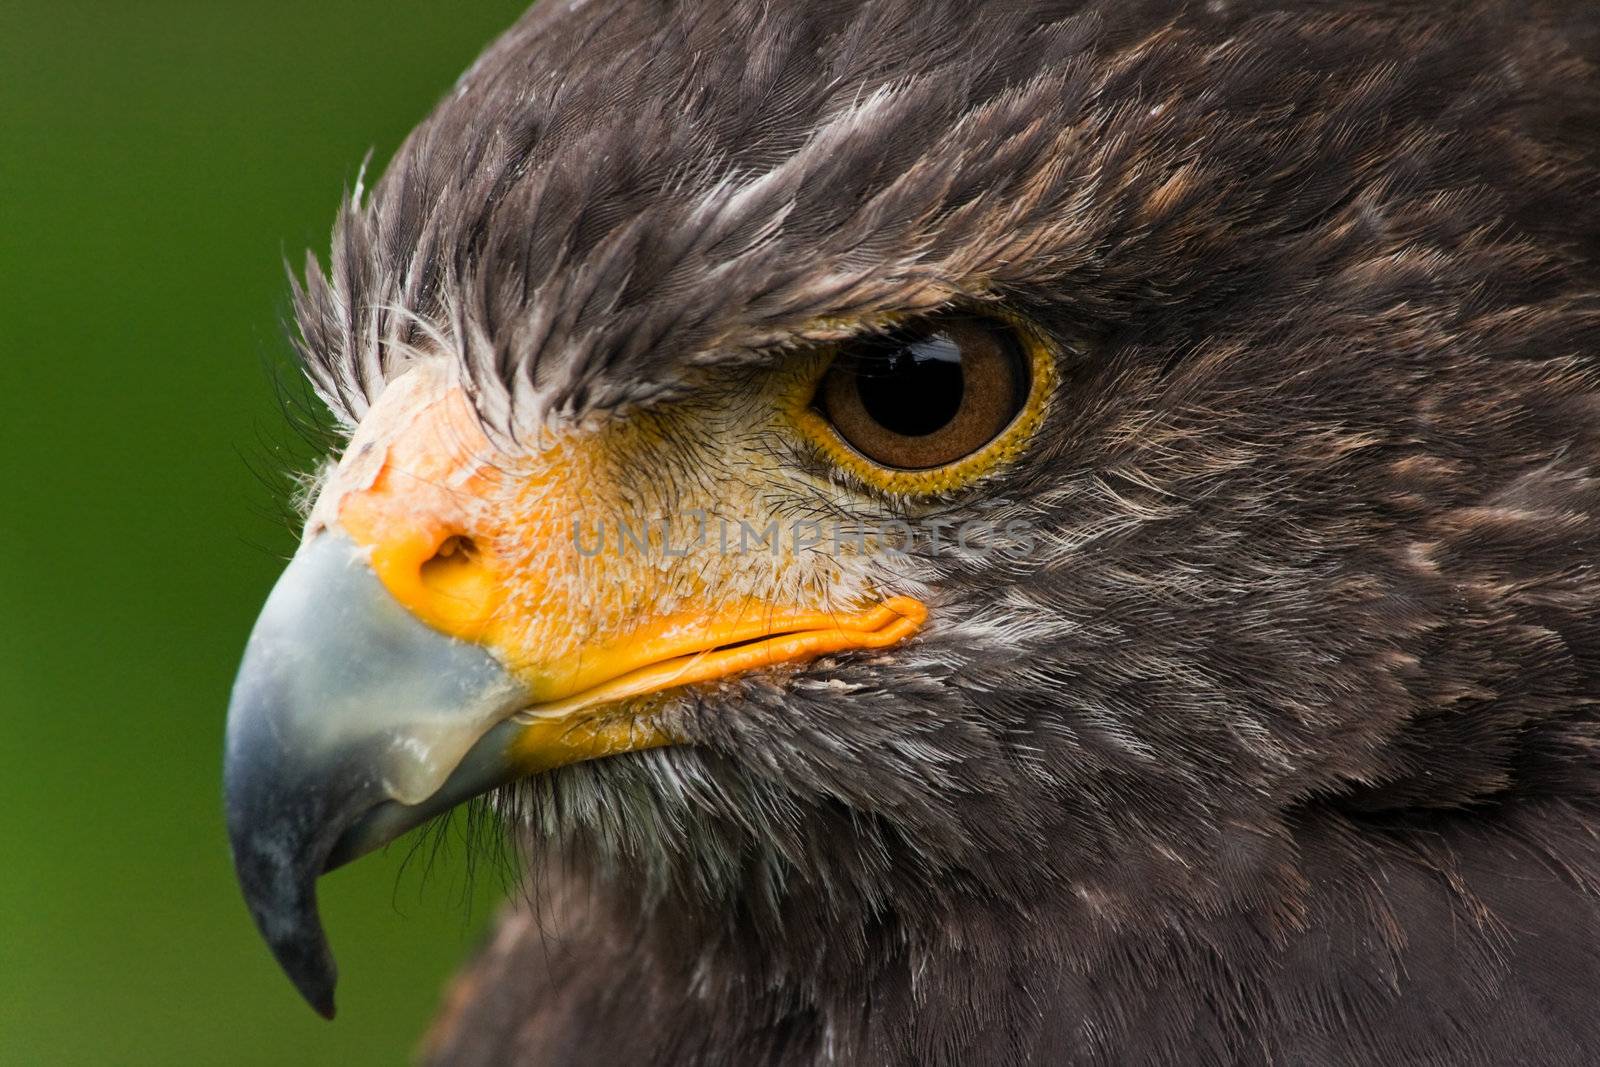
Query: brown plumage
[1281, 746]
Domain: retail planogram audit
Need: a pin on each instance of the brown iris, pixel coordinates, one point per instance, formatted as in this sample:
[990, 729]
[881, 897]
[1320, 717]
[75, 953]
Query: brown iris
[929, 395]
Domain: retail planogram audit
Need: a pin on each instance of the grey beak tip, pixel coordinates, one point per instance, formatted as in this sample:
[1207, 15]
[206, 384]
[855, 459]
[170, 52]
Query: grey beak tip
[309, 965]
[316, 983]
[280, 890]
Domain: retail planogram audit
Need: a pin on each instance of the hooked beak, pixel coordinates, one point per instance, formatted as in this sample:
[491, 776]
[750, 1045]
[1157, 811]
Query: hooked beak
[350, 723]
[436, 636]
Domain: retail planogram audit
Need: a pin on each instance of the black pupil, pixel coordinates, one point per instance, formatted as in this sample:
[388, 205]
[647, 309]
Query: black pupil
[914, 388]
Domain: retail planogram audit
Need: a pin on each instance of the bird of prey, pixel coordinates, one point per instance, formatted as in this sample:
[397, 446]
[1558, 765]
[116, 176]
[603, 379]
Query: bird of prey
[953, 532]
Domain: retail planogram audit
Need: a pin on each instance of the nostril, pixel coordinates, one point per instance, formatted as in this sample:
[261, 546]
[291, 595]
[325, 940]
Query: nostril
[455, 545]
[454, 589]
[450, 563]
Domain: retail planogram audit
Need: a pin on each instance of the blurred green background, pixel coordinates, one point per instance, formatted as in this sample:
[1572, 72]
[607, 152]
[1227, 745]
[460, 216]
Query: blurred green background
[157, 160]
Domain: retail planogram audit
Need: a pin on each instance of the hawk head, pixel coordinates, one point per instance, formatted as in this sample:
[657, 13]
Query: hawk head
[835, 460]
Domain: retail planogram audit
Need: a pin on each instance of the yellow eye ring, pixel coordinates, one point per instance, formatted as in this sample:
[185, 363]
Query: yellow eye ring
[815, 425]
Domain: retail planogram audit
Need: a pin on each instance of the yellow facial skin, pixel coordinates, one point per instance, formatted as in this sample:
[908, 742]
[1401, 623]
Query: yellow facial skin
[576, 564]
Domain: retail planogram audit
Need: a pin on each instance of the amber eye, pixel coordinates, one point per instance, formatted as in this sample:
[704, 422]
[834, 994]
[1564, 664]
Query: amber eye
[929, 396]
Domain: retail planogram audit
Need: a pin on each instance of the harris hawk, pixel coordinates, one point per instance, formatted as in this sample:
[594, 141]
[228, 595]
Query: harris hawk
[1027, 531]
